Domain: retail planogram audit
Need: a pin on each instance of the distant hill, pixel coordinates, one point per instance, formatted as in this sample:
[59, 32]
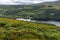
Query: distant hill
[41, 11]
[56, 4]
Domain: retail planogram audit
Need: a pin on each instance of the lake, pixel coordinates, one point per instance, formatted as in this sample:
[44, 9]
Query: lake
[50, 22]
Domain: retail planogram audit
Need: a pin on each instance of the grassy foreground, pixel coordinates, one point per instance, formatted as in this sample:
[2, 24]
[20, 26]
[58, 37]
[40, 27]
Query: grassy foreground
[19, 30]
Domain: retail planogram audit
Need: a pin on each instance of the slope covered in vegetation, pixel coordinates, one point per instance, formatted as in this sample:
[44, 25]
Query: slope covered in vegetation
[44, 11]
[20, 30]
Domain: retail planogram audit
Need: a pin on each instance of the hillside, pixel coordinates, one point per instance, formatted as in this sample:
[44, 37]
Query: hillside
[55, 5]
[41, 11]
[19, 30]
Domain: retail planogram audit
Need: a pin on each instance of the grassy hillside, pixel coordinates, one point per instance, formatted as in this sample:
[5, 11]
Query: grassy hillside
[20, 30]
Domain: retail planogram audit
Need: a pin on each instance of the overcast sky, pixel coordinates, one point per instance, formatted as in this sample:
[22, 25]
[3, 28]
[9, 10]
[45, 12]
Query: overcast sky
[23, 1]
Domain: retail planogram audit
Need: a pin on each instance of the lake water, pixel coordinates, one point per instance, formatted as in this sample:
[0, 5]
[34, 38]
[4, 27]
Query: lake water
[50, 22]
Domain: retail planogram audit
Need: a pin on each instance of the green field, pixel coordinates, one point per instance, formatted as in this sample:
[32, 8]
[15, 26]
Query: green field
[20, 30]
